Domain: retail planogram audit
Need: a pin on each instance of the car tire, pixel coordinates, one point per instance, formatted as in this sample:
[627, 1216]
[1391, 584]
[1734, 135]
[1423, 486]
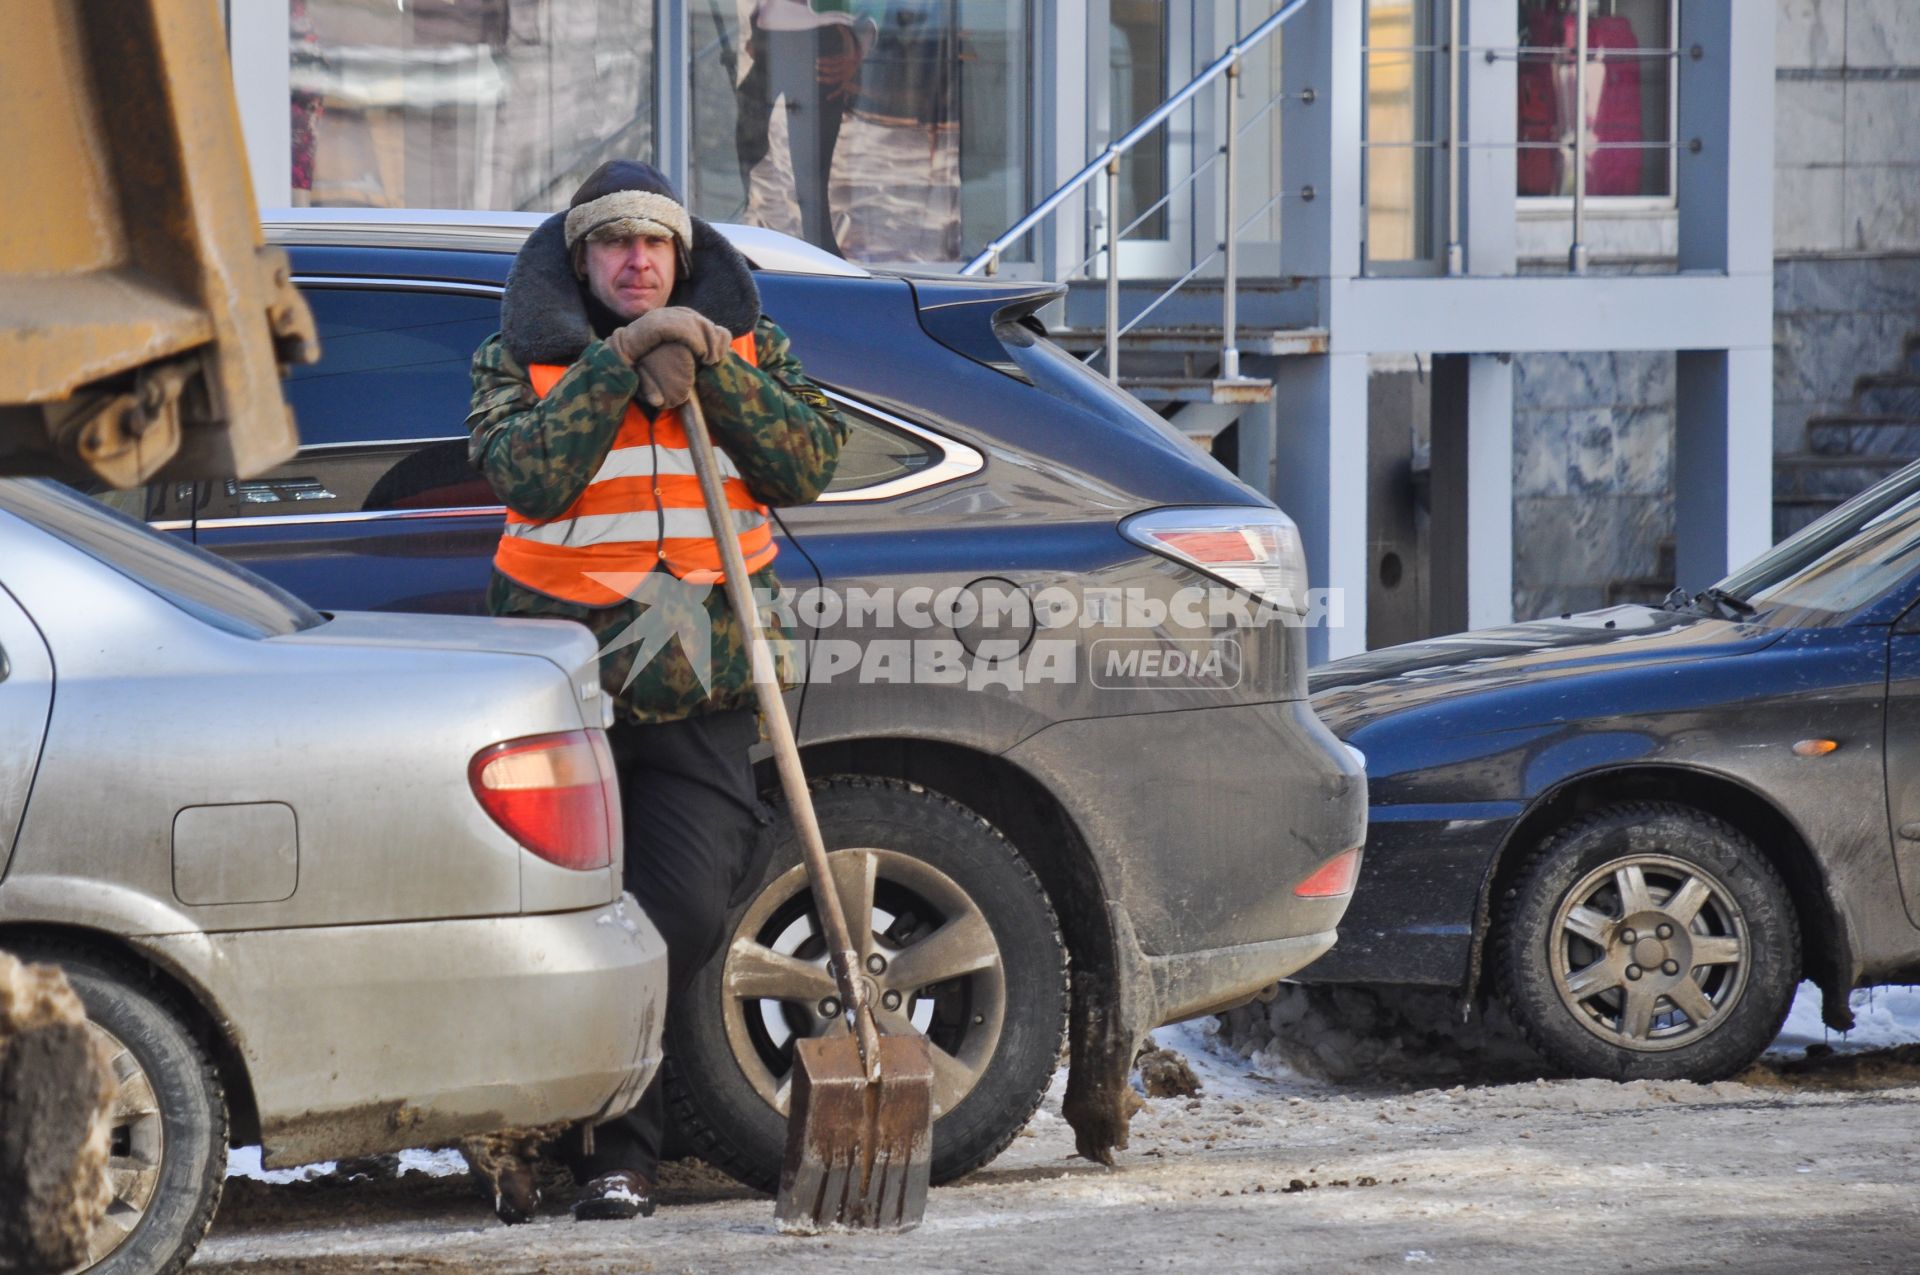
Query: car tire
[938, 869]
[171, 1096]
[1647, 940]
[1363, 1033]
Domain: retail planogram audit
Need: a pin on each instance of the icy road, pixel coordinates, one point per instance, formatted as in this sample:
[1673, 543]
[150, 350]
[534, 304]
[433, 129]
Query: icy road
[1796, 1166]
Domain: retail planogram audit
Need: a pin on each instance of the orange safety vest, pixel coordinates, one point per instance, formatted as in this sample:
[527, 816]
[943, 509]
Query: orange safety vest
[642, 507]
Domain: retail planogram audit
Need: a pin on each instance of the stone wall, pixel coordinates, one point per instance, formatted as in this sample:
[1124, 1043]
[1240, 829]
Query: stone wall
[1593, 434]
[1847, 236]
[1592, 480]
[1847, 131]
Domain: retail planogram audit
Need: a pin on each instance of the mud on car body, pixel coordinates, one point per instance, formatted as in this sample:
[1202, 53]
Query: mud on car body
[1150, 833]
[1641, 827]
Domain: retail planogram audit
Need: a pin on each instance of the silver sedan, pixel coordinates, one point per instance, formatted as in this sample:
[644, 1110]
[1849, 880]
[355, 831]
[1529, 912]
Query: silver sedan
[338, 884]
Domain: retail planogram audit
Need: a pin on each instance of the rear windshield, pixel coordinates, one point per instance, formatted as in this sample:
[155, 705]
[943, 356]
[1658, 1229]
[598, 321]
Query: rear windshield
[1060, 374]
[205, 587]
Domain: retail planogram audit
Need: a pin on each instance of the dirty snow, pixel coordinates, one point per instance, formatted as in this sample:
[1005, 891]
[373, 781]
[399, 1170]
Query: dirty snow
[1799, 1164]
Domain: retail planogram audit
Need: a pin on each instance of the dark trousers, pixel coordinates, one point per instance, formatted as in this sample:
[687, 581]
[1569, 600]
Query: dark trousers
[694, 839]
[786, 66]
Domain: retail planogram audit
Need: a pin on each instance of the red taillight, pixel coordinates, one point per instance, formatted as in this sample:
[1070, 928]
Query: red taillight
[1332, 878]
[555, 794]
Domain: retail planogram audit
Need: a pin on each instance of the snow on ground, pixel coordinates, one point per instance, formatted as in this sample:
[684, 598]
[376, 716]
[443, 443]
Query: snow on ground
[1886, 1016]
[1883, 1016]
[1799, 1164]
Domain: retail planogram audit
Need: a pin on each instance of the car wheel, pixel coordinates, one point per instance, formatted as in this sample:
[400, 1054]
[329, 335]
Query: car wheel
[961, 945]
[1648, 941]
[169, 1142]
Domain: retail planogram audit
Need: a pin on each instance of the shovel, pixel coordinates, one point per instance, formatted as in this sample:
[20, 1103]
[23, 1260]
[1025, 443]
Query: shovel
[860, 1122]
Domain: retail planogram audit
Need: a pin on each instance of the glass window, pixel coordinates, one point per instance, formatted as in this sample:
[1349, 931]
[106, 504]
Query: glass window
[205, 587]
[1400, 131]
[884, 130]
[1137, 83]
[354, 479]
[486, 104]
[874, 454]
[1628, 114]
[382, 415]
[393, 364]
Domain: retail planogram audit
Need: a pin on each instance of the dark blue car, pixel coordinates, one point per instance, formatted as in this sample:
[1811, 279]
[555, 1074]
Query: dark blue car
[1031, 752]
[1642, 827]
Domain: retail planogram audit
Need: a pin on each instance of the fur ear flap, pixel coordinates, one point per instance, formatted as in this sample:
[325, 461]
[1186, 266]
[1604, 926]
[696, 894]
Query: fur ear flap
[543, 317]
[722, 286]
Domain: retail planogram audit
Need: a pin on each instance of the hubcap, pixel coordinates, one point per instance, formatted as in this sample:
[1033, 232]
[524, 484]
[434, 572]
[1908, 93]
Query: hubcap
[139, 1144]
[1649, 953]
[932, 966]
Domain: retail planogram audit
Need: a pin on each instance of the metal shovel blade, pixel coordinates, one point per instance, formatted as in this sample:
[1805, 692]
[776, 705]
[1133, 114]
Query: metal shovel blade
[858, 1151]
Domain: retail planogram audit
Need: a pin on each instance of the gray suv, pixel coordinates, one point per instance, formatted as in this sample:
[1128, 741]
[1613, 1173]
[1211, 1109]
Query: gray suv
[1056, 703]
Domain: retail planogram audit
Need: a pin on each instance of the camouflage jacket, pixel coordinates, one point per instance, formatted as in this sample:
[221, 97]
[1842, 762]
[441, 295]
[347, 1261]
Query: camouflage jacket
[540, 454]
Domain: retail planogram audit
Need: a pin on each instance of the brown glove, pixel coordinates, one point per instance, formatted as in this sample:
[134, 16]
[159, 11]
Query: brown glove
[666, 375]
[676, 324]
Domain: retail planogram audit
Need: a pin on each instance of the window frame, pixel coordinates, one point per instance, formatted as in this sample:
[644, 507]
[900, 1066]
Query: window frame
[957, 459]
[1546, 207]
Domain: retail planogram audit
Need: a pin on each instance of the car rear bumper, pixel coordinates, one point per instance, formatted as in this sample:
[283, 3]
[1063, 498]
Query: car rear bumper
[1211, 982]
[365, 1039]
[1222, 813]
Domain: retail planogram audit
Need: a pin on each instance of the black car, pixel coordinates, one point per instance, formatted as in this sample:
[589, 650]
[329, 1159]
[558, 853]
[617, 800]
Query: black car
[1641, 827]
[1020, 770]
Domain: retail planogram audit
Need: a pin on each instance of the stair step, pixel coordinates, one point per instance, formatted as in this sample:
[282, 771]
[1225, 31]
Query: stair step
[1864, 435]
[1894, 395]
[1200, 340]
[1912, 359]
[1812, 477]
[1198, 390]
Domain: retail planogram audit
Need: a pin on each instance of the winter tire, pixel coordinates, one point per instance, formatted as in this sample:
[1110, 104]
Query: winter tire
[959, 941]
[1648, 941]
[169, 1157]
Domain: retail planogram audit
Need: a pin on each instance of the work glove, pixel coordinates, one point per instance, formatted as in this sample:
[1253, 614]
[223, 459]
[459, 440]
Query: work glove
[666, 347]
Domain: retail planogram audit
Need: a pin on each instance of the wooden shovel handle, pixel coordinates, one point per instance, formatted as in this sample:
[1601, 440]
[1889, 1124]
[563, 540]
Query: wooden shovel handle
[845, 957]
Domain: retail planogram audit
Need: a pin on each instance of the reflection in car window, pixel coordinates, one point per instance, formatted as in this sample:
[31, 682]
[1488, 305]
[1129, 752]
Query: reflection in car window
[382, 414]
[205, 587]
[1884, 552]
[1063, 376]
[1819, 538]
[351, 479]
[874, 454]
[394, 364]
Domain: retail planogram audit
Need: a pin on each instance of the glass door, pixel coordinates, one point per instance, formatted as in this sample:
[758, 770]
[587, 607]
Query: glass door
[1402, 144]
[891, 132]
[1150, 53]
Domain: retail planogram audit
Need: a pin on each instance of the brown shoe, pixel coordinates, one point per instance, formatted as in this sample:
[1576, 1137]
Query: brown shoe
[615, 1196]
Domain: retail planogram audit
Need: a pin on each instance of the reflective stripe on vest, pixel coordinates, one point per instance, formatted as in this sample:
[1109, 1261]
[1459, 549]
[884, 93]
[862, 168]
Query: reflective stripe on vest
[642, 508]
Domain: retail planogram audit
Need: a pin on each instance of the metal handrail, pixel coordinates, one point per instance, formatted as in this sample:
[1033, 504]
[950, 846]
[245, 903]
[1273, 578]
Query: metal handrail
[988, 257]
[1107, 164]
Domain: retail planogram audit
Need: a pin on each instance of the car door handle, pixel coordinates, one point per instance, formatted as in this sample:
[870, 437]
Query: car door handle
[1910, 831]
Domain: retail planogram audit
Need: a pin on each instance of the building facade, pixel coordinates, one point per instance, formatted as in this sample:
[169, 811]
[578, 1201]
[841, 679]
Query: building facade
[1495, 322]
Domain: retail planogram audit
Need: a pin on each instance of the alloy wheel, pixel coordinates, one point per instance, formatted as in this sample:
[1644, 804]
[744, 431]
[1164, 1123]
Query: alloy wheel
[1649, 952]
[929, 961]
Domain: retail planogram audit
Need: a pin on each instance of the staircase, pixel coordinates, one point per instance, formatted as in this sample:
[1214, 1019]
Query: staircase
[1877, 435]
[1171, 362]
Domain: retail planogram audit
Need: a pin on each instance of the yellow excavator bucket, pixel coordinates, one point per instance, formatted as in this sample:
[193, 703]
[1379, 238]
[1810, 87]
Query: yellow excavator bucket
[144, 326]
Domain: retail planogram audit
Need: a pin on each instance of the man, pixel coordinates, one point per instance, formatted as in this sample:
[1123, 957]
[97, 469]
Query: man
[807, 53]
[615, 312]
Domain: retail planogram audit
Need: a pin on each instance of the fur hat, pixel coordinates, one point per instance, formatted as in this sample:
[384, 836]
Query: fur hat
[626, 197]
